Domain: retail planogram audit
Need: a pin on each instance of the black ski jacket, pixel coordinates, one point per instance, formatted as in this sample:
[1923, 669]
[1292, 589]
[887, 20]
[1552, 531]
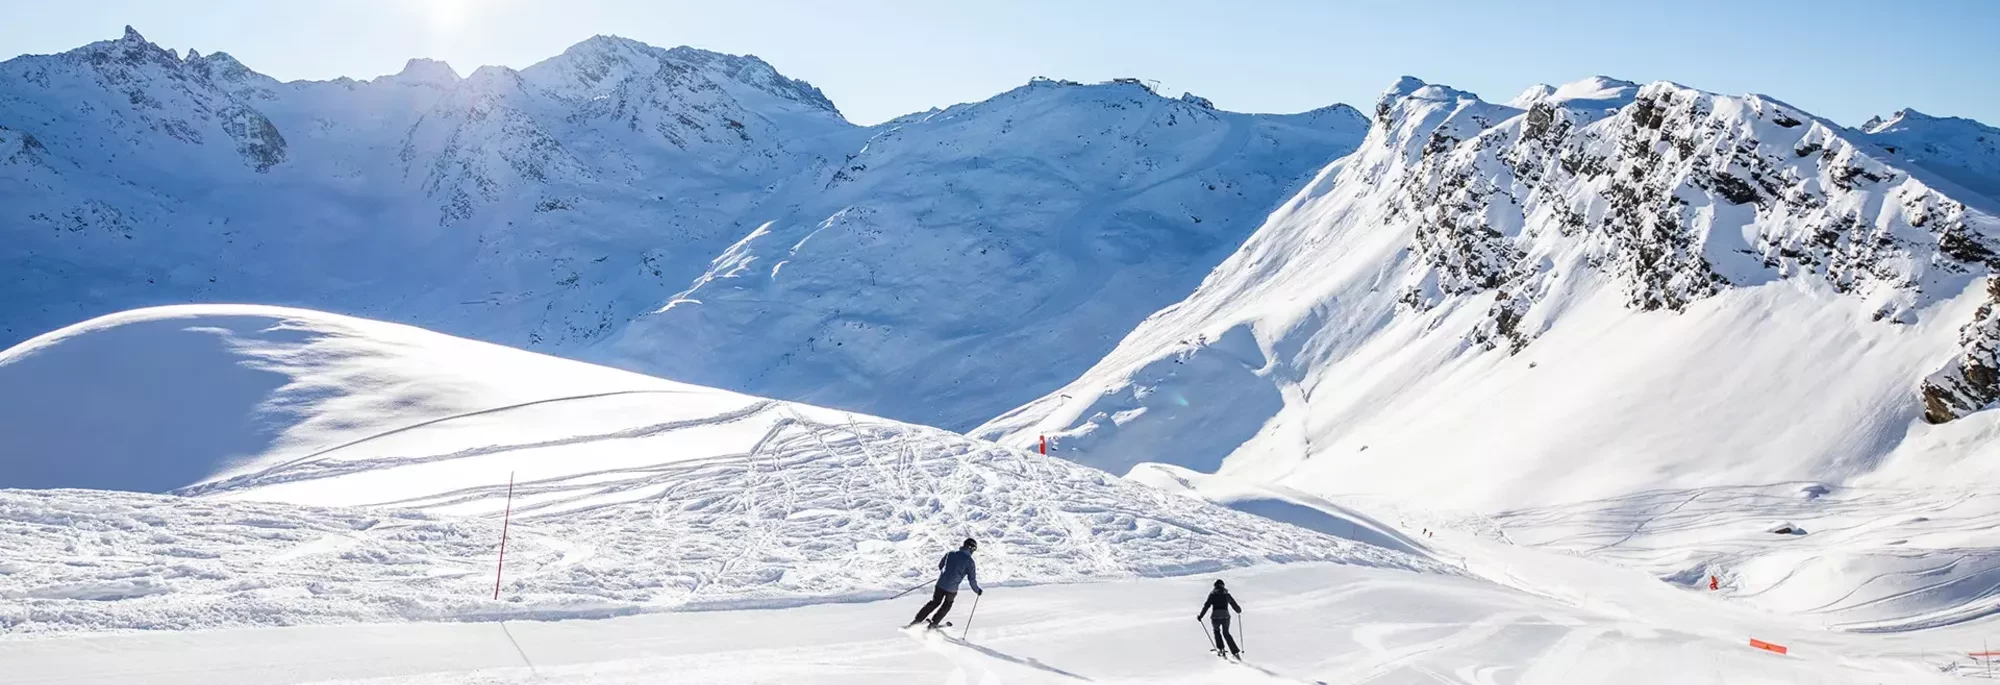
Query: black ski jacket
[1221, 602]
[955, 567]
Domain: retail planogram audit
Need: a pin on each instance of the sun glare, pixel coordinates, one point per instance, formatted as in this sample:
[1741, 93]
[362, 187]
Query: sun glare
[447, 16]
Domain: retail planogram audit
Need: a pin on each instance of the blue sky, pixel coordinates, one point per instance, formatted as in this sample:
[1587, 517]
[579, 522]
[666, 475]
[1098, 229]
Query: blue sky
[880, 58]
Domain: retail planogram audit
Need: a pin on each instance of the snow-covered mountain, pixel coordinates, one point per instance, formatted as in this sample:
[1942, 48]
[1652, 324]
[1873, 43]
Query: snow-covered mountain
[1960, 150]
[536, 208]
[1601, 289]
[550, 207]
[965, 261]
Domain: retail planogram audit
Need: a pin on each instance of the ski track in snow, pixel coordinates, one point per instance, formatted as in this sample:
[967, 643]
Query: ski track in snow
[811, 511]
[388, 455]
[1306, 623]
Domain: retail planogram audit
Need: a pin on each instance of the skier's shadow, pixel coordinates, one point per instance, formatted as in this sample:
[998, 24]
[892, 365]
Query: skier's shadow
[1274, 674]
[1024, 661]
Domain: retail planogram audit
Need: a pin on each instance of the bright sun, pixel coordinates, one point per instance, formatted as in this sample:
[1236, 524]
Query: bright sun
[447, 16]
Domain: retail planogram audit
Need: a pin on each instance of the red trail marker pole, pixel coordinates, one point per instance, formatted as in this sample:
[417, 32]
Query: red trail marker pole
[1045, 445]
[505, 518]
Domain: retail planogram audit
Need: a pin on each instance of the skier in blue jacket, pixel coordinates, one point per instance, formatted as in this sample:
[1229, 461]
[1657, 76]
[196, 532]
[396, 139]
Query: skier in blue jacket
[955, 567]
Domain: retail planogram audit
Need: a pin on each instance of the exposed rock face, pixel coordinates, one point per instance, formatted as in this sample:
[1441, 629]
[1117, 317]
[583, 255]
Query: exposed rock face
[1677, 193]
[1971, 382]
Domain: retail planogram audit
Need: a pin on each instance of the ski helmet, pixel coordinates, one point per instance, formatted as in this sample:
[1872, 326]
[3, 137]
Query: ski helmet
[1218, 583]
[970, 544]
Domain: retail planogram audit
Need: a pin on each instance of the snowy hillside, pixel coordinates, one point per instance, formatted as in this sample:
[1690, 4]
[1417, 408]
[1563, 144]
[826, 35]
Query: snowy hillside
[348, 470]
[1617, 288]
[549, 207]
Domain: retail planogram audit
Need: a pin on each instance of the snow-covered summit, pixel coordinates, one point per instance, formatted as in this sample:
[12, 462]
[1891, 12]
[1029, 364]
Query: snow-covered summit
[1597, 95]
[424, 71]
[602, 65]
[1960, 150]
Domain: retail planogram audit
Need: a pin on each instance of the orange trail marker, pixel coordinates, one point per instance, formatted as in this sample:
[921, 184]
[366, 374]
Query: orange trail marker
[1760, 644]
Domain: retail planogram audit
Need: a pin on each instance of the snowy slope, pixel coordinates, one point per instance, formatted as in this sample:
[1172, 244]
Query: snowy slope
[1488, 308]
[159, 399]
[1302, 623]
[1858, 559]
[337, 469]
[549, 207]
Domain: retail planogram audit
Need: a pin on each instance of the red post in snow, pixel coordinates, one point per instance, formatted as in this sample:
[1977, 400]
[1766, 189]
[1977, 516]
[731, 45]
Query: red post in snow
[505, 518]
[1045, 444]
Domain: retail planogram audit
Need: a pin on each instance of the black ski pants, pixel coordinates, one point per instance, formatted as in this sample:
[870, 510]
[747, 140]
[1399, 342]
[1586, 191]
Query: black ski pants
[941, 601]
[1222, 636]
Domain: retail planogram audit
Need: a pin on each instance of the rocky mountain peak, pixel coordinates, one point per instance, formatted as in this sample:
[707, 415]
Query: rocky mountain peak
[1955, 149]
[601, 65]
[1628, 170]
[424, 71]
[129, 50]
[221, 66]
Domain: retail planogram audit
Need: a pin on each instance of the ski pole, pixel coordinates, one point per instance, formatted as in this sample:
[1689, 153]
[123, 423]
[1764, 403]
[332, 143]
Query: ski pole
[969, 615]
[1242, 632]
[905, 592]
[1205, 637]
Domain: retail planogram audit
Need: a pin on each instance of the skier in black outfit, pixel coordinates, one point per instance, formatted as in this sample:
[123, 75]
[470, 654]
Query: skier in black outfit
[1220, 601]
[954, 567]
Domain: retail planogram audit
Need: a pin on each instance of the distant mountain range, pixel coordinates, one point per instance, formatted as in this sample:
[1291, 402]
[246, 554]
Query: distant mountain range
[673, 211]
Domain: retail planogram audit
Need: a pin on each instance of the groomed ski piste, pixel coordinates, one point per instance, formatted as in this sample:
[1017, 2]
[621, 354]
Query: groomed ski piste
[243, 494]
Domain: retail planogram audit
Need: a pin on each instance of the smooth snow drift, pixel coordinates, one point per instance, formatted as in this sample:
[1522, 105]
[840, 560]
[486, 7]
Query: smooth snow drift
[630, 494]
[164, 398]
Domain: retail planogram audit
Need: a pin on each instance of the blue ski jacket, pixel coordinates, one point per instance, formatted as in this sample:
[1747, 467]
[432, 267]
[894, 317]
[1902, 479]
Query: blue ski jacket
[955, 567]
